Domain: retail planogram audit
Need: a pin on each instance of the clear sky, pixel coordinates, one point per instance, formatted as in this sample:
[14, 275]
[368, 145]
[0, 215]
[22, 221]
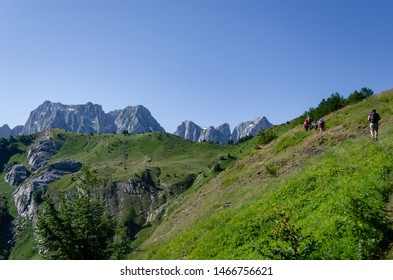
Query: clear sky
[209, 61]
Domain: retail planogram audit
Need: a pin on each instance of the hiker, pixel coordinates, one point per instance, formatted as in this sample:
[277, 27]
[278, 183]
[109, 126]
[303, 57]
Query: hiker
[321, 124]
[306, 125]
[373, 118]
[309, 121]
[315, 125]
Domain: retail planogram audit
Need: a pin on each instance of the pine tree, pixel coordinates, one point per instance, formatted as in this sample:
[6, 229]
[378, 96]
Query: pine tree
[79, 227]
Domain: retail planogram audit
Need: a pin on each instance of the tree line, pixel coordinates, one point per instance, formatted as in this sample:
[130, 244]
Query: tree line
[335, 102]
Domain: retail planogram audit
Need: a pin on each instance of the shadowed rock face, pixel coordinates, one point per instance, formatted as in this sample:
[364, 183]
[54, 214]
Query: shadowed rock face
[41, 153]
[5, 131]
[90, 118]
[17, 175]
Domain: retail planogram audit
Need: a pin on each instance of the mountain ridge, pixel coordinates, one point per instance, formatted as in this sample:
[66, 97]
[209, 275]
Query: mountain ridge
[91, 118]
[221, 134]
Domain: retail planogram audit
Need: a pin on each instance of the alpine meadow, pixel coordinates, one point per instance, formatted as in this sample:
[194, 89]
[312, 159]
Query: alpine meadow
[284, 194]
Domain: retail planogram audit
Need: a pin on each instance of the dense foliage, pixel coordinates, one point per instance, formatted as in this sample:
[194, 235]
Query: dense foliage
[10, 147]
[5, 219]
[336, 102]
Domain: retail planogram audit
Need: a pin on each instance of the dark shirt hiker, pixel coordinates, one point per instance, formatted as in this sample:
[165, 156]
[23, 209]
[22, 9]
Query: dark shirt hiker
[373, 118]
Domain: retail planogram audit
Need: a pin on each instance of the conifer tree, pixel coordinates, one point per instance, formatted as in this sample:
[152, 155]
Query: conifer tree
[79, 227]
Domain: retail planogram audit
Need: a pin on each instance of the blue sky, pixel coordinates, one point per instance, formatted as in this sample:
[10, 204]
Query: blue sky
[210, 61]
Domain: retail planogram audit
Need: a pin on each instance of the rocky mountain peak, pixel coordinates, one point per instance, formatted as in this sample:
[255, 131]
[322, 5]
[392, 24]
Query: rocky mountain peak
[189, 131]
[221, 134]
[90, 118]
[5, 131]
[250, 128]
[135, 119]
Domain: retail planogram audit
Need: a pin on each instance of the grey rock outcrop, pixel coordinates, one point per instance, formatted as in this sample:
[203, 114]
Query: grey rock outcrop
[250, 128]
[42, 152]
[64, 167]
[90, 118]
[17, 175]
[24, 194]
[44, 174]
[149, 202]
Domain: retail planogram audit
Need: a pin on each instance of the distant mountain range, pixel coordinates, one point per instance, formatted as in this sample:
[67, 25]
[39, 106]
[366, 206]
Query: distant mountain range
[222, 134]
[90, 118]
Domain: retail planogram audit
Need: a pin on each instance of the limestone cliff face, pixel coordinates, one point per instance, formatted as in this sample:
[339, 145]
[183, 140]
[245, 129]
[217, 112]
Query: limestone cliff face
[250, 128]
[222, 134]
[134, 120]
[17, 175]
[189, 131]
[90, 118]
[193, 132]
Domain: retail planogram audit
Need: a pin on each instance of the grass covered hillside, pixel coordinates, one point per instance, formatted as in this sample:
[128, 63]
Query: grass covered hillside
[163, 164]
[170, 159]
[305, 195]
[285, 194]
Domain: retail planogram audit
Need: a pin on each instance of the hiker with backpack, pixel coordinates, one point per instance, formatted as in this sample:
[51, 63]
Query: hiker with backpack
[321, 124]
[307, 123]
[373, 118]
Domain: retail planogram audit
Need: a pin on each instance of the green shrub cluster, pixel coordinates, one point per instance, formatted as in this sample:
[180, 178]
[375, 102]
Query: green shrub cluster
[266, 136]
[336, 102]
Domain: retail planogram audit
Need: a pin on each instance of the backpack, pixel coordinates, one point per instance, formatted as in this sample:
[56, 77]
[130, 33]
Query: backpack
[321, 122]
[374, 117]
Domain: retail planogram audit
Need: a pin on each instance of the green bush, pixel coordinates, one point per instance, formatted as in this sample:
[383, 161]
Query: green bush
[266, 136]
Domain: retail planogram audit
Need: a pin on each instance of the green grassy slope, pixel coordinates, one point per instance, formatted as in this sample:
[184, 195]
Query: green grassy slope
[169, 159]
[121, 157]
[306, 195]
